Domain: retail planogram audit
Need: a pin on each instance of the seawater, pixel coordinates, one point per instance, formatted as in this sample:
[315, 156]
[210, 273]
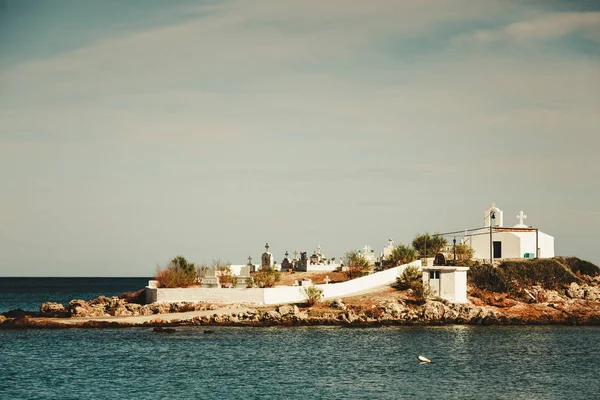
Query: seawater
[302, 363]
[30, 293]
[468, 362]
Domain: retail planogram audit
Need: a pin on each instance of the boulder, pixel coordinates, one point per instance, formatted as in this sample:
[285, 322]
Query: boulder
[288, 310]
[575, 291]
[592, 293]
[271, 316]
[53, 310]
[339, 304]
[2, 319]
[433, 311]
[79, 308]
[393, 308]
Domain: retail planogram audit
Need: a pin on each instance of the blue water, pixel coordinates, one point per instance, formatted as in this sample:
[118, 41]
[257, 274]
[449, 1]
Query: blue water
[285, 363]
[302, 363]
[29, 293]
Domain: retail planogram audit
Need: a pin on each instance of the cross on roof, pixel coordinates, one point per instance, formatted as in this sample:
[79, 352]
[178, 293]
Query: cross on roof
[249, 259]
[493, 204]
[267, 247]
[521, 217]
[286, 254]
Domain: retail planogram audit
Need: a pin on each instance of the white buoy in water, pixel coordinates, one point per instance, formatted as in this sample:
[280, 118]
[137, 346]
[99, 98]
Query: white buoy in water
[424, 359]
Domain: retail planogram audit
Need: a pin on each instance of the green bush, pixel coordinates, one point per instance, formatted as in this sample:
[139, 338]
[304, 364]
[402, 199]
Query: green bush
[179, 273]
[313, 294]
[407, 277]
[578, 266]
[512, 276]
[265, 278]
[401, 255]
[427, 245]
[356, 264]
[420, 291]
[488, 277]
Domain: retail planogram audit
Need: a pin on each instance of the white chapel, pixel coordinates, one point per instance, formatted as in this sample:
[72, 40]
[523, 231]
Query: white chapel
[519, 241]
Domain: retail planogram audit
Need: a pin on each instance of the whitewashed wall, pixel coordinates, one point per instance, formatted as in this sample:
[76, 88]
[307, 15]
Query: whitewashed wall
[276, 295]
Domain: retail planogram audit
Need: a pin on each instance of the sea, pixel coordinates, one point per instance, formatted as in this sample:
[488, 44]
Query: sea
[467, 362]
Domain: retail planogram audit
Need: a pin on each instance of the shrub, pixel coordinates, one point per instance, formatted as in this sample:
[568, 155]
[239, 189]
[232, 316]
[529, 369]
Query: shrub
[420, 291]
[427, 245]
[401, 255]
[265, 278]
[226, 277]
[407, 277]
[313, 294]
[356, 264]
[179, 273]
[488, 277]
[577, 265]
[513, 276]
[464, 252]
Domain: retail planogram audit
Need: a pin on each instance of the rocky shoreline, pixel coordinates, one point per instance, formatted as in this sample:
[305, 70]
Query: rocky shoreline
[577, 305]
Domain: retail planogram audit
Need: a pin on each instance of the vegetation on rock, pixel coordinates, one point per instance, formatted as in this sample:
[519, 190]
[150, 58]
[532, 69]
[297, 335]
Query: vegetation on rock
[514, 276]
[313, 294]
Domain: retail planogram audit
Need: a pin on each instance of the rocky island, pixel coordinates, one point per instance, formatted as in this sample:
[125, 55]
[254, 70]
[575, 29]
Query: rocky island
[556, 291]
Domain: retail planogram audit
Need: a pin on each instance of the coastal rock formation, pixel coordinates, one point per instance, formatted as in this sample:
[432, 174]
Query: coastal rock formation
[575, 291]
[53, 310]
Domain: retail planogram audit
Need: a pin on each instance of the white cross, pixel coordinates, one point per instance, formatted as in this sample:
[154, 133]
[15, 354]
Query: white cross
[327, 280]
[521, 217]
[493, 204]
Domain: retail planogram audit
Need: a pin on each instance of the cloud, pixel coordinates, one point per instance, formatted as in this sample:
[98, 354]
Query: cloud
[546, 27]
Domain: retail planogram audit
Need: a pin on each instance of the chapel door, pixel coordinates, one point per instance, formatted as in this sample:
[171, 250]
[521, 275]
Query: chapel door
[497, 249]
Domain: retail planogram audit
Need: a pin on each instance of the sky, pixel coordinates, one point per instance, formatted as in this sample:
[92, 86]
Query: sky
[131, 132]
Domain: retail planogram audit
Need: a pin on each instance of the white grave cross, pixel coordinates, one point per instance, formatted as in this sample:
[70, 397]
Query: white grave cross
[521, 217]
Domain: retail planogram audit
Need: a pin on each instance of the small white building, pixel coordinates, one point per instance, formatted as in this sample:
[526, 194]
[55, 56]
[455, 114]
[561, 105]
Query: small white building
[519, 241]
[449, 283]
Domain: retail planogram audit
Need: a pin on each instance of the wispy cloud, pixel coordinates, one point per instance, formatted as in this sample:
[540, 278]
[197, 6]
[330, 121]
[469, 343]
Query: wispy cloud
[546, 27]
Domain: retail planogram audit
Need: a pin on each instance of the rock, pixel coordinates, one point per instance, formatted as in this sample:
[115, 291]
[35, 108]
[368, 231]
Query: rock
[121, 311]
[575, 291]
[288, 310]
[271, 316]
[2, 319]
[433, 311]
[592, 293]
[467, 312]
[339, 304]
[393, 308]
[17, 313]
[53, 310]
[350, 316]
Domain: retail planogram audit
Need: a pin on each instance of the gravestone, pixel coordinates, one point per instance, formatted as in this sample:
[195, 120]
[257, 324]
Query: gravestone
[286, 264]
[210, 279]
[244, 277]
[303, 262]
[267, 258]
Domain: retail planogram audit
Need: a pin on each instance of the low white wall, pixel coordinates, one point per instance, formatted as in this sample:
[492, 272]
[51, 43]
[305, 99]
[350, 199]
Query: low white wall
[208, 295]
[276, 295]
